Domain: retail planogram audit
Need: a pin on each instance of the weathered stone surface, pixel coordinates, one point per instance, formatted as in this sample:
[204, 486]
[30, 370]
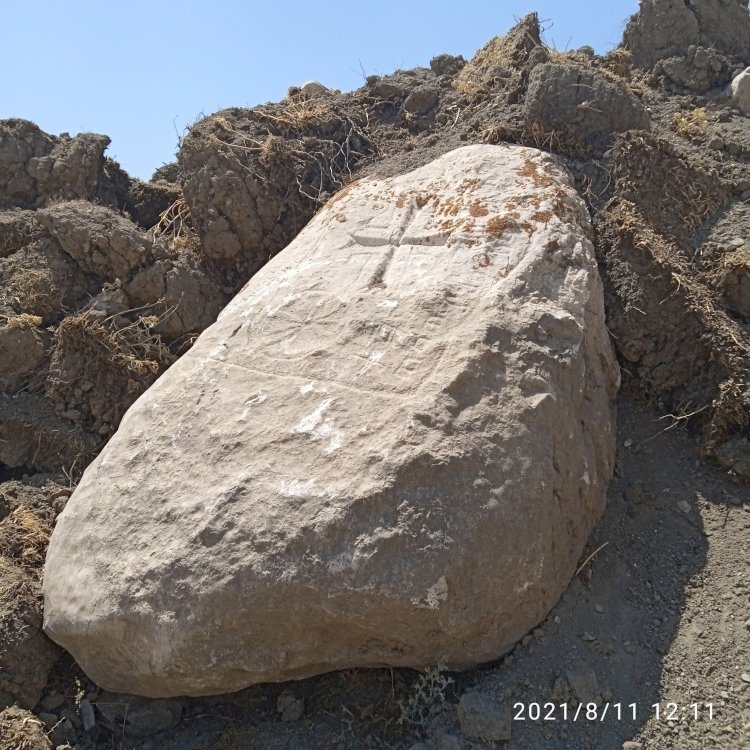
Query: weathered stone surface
[388, 450]
[741, 91]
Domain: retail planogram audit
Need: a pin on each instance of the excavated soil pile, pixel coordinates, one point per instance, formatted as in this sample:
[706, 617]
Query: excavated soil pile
[102, 286]
[105, 281]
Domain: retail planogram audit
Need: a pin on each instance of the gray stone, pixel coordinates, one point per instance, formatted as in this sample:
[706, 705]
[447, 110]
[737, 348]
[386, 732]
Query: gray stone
[388, 450]
[63, 733]
[88, 719]
[483, 718]
[314, 88]
[49, 719]
[52, 701]
[741, 91]
[585, 686]
[289, 707]
[152, 717]
[448, 742]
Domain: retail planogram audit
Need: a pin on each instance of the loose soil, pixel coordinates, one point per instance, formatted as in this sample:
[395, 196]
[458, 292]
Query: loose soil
[105, 281]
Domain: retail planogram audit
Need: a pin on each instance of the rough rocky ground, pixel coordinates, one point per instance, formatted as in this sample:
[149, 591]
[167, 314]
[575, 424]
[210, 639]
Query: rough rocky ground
[105, 280]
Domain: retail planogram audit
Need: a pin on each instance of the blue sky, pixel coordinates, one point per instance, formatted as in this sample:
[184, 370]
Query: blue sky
[141, 71]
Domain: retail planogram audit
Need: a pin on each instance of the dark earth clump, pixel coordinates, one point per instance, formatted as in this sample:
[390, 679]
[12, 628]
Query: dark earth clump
[105, 281]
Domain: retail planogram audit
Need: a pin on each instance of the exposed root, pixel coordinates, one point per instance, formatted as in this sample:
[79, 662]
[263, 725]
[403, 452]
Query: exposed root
[174, 220]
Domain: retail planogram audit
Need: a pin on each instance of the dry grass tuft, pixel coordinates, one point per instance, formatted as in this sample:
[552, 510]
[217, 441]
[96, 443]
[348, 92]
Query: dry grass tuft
[552, 140]
[620, 62]
[313, 140]
[691, 125]
[24, 320]
[173, 221]
[134, 348]
[500, 63]
[300, 113]
[30, 289]
[24, 538]
[21, 730]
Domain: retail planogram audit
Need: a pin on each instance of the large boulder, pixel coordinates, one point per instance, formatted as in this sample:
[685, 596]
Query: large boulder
[741, 91]
[389, 449]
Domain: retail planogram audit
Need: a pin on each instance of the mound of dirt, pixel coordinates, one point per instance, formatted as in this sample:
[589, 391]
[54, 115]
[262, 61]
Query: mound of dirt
[666, 317]
[253, 178]
[665, 29]
[27, 513]
[578, 109]
[36, 167]
[93, 307]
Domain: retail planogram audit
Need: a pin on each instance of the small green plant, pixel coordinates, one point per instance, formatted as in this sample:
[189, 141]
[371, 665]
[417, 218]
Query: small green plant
[427, 691]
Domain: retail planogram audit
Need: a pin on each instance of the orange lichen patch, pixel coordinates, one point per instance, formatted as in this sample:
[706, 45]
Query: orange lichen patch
[401, 200]
[449, 225]
[543, 216]
[469, 184]
[531, 170]
[498, 225]
[343, 192]
[450, 208]
[534, 200]
[477, 208]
